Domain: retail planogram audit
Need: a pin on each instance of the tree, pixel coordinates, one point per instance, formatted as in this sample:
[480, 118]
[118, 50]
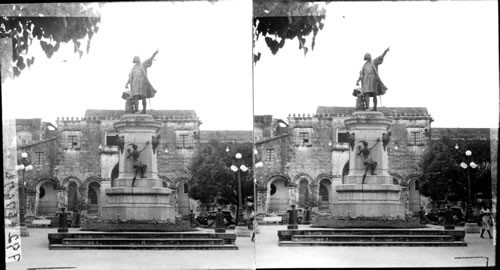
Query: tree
[278, 21]
[212, 180]
[25, 23]
[443, 179]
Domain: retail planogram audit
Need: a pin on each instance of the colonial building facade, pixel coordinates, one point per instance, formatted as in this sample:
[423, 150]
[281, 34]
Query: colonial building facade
[77, 159]
[305, 157]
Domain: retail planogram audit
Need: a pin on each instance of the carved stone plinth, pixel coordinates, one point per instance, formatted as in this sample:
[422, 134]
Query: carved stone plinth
[147, 199]
[376, 196]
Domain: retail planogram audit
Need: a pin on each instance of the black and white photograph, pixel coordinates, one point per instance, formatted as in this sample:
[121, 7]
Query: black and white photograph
[376, 127]
[250, 134]
[130, 131]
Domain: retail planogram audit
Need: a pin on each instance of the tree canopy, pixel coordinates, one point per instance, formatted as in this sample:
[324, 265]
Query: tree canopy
[443, 179]
[61, 25]
[212, 180]
[278, 21]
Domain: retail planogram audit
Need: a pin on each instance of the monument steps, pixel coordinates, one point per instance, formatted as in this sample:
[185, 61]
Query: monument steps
[371, 237]
[149, 247]
[142, 240]
[383, 243]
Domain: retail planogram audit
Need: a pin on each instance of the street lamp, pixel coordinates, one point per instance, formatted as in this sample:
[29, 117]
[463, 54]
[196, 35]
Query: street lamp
[468, 167]
[237, 169]
[24, 164]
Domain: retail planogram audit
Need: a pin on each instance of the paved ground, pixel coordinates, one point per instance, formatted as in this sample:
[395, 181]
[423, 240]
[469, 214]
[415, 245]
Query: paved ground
[267, 255]
[37, 255]
[270, 255]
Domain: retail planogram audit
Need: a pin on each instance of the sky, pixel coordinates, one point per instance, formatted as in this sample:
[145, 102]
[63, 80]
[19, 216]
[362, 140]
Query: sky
[443, 56]
[204, 64]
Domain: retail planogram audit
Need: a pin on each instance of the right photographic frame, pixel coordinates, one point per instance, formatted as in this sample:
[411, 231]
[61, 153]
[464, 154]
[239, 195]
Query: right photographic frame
[375, 133]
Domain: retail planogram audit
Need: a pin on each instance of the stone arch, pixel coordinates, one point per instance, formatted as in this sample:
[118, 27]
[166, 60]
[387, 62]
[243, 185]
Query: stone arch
[414, 201]
[66, 181]
[300, 176]
[274, 176]
[91, 179]
[115, 173]
[410, 178]
[166, 182]
[180, 180]
[71, 194]
[35, 184]
[345, 171]
[322, 177]
[183, 200]
[47, 197]
[397, 179]
[277, 195]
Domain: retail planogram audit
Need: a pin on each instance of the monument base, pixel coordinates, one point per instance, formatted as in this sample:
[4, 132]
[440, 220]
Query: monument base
[138, 203]
[368, 200]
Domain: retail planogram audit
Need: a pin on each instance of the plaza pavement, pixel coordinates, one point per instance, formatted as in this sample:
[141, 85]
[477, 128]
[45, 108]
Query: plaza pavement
[270, 255]
[267, 254]
[36, 255]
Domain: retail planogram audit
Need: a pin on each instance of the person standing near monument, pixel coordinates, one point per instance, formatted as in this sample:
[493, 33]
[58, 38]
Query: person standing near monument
[371, 85]
[486, 221]
[140, 87]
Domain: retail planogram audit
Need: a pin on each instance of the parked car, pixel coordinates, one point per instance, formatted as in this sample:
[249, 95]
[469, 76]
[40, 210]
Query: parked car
[437, 215]
[210, 218]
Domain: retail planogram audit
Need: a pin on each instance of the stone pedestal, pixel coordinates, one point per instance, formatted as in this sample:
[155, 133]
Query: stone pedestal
[377, 196]
[147, 199]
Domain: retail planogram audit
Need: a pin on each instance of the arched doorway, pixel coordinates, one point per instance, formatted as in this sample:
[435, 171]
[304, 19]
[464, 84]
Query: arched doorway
[93, 194]
[114, 174]
[47, 198]
[325, 190]
[345, 172]
[72, 196]
[303, 193]
[183, 198]
[414, 195]
[278, 195]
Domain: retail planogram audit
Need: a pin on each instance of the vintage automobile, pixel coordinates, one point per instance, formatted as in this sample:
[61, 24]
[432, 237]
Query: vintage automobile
[209, 218]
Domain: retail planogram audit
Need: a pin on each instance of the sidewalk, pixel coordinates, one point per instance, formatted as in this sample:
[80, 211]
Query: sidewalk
[37, 255]
[270, 255]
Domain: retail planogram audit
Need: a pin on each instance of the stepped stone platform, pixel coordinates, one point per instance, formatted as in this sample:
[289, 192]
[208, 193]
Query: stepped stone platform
[371, 237]
[143, 240]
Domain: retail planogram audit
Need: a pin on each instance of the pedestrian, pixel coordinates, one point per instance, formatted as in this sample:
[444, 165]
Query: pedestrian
[486, 221]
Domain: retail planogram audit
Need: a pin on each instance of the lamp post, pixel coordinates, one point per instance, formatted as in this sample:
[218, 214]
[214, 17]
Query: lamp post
[238, 169]
[24, 164]
[468, 167]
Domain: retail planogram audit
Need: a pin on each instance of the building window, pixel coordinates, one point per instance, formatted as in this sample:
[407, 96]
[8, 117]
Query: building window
[72, 139]
[342, 137]
[39, 158]
[415, 138]
[269, 154]
[303, 136]
[186, 188]
[110, 139]
[184, 140]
